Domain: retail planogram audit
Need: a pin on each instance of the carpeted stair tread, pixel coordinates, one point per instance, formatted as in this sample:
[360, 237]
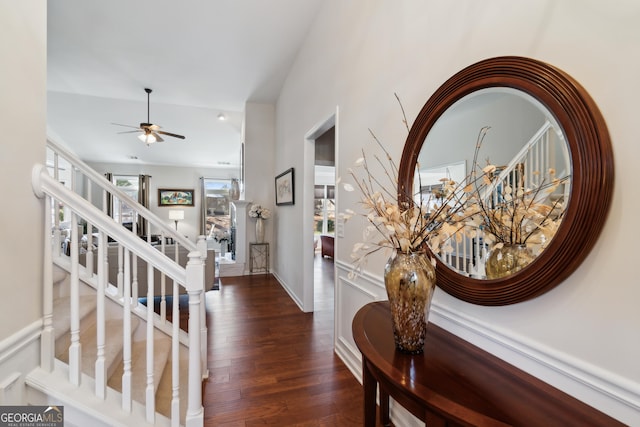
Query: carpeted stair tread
[58, 274]
[62, 312]
[113, 347]
[161, 351]
[165, 392]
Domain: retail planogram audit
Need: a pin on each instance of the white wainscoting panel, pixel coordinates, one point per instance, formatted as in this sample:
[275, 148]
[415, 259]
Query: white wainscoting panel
[350, 296]
[605, 391]
[19, 355]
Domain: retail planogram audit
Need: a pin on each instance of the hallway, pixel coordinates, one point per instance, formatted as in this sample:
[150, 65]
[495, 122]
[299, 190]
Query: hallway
[272, 364]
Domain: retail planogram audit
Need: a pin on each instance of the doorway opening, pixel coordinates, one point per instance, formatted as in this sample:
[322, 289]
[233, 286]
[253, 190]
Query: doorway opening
[319, 213]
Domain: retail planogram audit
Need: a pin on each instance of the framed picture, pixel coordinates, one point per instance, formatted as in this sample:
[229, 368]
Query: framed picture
[173, 197]
[284, 188]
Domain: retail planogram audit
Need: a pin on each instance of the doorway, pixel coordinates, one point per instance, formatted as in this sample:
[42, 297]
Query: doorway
[318, 210]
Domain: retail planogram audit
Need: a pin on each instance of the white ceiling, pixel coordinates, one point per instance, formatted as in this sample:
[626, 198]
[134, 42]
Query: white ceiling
[200, 57]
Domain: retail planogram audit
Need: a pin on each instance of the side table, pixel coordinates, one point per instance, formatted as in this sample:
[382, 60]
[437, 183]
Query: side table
[258, 257]
[455, 383]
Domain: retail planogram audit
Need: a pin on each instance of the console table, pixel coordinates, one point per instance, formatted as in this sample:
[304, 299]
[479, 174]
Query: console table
[455, 383]
[258, 257]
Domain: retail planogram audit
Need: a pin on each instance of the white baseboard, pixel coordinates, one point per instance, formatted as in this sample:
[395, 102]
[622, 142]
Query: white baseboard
[288, 290]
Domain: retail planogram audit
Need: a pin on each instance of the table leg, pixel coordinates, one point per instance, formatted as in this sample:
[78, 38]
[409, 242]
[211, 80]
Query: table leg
[384, 408]
[369, 384]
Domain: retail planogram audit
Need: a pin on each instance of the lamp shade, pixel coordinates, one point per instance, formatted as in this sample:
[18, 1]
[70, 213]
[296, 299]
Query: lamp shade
[176, 214]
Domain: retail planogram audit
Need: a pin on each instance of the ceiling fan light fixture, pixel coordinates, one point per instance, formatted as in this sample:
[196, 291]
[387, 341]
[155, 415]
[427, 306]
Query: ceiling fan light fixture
[148, 138]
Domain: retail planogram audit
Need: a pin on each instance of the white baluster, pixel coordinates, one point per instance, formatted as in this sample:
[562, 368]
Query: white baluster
[126, 338]
[163, 283]
[202, 248]
[101, 368]
[150, 390]
[134, 281]
[120, 254]
[121, 274]
[89, 255]
[75, 349]
[47, 342]
[175, 358]
[195, 278]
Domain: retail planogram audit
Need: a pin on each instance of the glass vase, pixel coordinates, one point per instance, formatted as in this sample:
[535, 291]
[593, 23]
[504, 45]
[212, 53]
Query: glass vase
[234, 191]
[507, 260]
[410, 281]
[259, 230]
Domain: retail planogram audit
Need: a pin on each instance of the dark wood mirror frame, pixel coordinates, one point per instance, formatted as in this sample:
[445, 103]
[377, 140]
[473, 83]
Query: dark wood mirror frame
[592, 173]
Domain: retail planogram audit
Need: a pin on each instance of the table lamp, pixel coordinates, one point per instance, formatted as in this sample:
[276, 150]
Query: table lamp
[176, 215]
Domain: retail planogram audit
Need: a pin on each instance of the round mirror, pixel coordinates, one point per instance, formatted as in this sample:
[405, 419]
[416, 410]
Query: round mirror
[536, 125]
[522, 139]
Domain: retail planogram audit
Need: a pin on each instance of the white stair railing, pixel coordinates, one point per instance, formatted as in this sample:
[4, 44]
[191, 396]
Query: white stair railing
[189, 278]
[91, 179]
[539, 154]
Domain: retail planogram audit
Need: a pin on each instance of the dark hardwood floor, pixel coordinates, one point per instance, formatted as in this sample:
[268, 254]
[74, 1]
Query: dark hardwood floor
[272, 364]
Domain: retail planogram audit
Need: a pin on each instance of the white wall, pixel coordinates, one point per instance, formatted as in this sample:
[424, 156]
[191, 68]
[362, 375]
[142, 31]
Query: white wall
[583, 335]
[23, 124]
[259, 141]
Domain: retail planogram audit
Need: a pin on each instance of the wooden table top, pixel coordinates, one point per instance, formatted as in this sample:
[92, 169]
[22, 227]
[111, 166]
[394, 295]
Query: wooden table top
[463, 382]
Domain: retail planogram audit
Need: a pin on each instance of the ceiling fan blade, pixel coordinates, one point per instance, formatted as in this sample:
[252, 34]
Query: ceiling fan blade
[157, 137]
[154, 127]
[171, 134]
[130, 131]
[128, 126]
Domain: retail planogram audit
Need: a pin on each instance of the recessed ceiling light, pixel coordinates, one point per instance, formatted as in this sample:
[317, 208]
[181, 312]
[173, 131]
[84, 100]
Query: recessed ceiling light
[222, 117]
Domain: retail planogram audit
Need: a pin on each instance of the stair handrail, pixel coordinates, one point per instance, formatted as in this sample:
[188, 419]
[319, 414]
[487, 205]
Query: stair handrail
[103, 183]
[44, 184]
[190, 277]
[546, 126]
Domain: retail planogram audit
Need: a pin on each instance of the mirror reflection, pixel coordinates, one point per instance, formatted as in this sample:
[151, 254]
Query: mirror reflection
[509, 152]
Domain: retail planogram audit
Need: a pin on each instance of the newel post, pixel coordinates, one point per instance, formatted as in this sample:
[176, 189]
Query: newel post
[194, 285]
[204, 253]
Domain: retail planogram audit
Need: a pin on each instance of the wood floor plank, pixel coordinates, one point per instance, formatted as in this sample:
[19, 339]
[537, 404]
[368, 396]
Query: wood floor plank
[272, 364]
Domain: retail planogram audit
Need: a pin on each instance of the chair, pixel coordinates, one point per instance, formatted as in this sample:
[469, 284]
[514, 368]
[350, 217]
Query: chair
[326, 245]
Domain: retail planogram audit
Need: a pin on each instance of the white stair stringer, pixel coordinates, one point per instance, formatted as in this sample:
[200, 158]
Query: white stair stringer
[81, 406]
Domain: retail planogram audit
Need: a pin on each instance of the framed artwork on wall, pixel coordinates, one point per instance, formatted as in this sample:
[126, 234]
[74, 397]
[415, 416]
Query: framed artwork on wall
[284, 188]
[174, 197]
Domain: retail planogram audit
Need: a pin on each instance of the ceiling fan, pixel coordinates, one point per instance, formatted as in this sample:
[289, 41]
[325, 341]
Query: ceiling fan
[150, 132]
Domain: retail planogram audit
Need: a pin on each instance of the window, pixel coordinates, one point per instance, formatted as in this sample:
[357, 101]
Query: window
[324, 209]
[216, 209]
[130, 185]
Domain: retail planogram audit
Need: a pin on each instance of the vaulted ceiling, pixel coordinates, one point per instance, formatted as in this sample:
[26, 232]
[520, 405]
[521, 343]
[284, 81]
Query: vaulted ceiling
[202, 58]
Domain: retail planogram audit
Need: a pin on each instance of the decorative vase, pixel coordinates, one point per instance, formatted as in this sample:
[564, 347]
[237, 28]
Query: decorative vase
[410, 281]
[234, 191]
[223, 248]
[259, 230]
[507, 260]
